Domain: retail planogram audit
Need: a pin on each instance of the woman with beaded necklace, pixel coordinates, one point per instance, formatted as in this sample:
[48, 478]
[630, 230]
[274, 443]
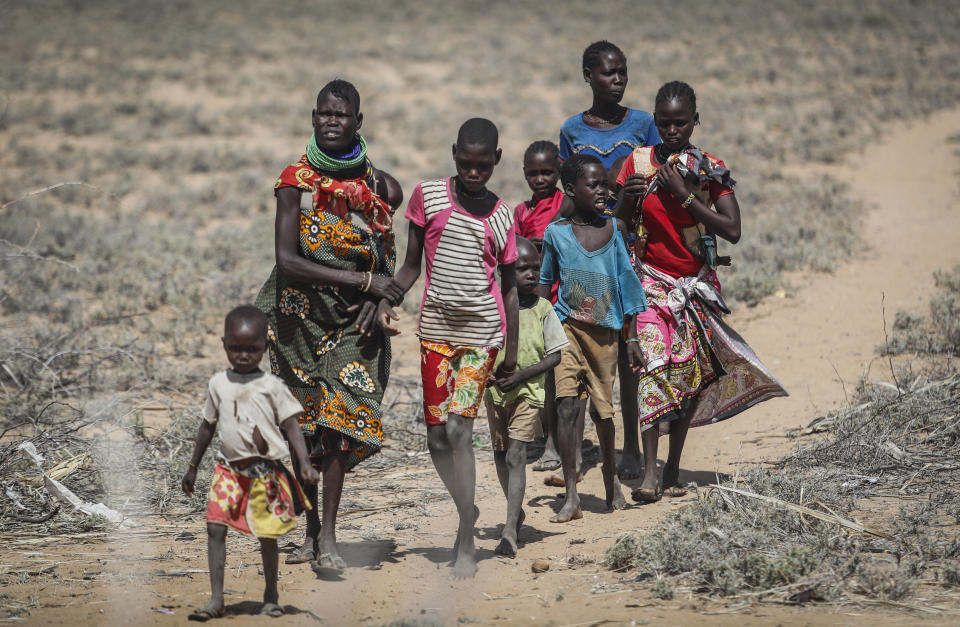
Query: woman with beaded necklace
[334, 263]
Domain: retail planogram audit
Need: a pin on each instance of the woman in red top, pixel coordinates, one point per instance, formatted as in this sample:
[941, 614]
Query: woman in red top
[677, 198]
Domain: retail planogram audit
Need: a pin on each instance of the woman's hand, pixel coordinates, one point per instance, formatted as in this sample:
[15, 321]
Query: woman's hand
[385, 287]
[366, 318]
[635, 186]
[384, 315]
[670, 178]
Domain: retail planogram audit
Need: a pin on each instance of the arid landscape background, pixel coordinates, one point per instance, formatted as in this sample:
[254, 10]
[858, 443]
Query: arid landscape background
[152, 134]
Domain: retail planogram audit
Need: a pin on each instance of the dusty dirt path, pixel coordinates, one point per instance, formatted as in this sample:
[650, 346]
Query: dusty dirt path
[818, 339]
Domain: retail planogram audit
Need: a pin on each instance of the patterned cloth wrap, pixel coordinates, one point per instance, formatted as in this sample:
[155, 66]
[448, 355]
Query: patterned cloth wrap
[696, 167]
[454, 379]
[336, 373]
[261, 499]
[690, 353]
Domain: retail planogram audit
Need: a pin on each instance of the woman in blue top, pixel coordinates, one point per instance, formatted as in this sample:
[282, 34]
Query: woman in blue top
[607, 130]
[610, 132]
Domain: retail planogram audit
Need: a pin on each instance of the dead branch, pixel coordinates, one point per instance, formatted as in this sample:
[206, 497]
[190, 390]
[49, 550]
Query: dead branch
[33, 519]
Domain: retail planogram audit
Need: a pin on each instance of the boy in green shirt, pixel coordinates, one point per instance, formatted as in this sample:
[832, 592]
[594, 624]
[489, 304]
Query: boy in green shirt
[514, 402]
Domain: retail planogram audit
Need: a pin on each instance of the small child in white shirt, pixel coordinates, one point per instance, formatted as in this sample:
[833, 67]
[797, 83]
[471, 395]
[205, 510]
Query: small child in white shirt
[251, 491]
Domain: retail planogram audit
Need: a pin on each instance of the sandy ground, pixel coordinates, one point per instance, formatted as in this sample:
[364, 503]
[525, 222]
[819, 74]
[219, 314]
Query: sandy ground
[818, 338]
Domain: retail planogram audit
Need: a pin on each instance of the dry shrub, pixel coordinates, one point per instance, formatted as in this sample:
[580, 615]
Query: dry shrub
[893, 440]
[939, 332]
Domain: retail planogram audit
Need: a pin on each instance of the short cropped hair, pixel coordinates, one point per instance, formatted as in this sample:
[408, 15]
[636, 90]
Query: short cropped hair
[523, 242]
[478, 132]
[573, 168]
[592, 53]
[245, 314]
[344, 90]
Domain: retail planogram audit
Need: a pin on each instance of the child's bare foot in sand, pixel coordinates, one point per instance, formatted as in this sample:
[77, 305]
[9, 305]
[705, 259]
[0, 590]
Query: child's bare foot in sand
[465, 562]
[456, 542]
[616, 501]
[508, 539]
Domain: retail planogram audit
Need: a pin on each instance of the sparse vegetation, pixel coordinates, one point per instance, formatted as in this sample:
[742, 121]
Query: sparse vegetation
[892, 449]
[179, 120]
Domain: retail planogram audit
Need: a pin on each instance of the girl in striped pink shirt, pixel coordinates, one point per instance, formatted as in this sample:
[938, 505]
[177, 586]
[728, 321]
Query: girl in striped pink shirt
[466, 232]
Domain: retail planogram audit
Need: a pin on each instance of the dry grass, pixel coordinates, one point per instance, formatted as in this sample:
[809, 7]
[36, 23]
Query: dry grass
[892, 450]
[178, 117]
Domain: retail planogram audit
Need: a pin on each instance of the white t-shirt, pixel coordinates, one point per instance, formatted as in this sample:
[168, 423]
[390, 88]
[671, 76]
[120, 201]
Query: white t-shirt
[240, 402]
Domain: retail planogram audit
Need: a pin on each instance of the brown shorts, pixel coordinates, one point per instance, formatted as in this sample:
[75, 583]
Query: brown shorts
[589, 365]
[517, 421]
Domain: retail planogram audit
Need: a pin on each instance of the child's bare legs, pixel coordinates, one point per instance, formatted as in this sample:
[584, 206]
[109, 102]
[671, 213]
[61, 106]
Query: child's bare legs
[334, 467]
[512, 473]
[630, 463]
[451, 448]
[268, 553]
[569, 438]
[557, 478]
[216, 560]
[549, 418]
[606, 433]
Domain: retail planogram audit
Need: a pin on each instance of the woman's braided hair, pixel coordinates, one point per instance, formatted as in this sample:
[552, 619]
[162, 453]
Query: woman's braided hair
[675, 90]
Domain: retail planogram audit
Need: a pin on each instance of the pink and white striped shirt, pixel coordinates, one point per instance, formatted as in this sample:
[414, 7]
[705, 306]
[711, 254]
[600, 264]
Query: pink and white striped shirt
[462, 304]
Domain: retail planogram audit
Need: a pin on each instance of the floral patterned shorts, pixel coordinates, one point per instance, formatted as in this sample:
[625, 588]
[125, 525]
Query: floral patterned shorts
[454, 379]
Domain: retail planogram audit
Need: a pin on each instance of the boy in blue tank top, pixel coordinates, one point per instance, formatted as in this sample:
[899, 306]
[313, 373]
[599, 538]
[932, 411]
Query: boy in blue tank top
[598, 290]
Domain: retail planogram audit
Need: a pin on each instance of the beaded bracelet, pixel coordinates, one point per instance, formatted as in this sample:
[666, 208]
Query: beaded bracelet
[192, 465]
[686, 203]
[632, 339]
